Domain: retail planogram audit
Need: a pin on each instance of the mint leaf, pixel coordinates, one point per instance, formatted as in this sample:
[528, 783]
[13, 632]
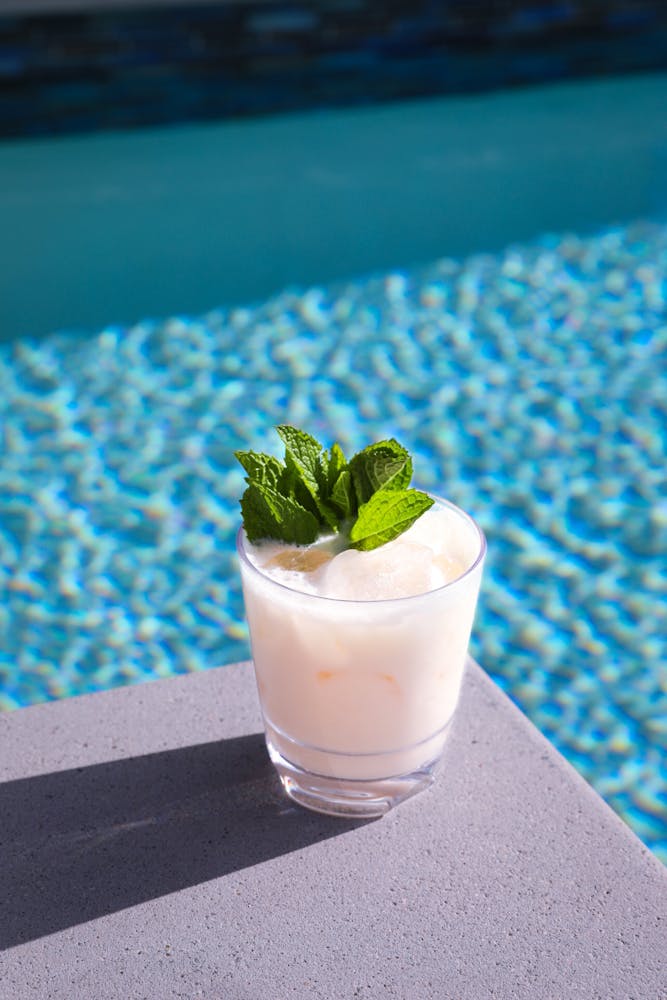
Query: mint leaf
[259, 520]
[328, 515]
[261, 468]
[268, 514]
[342, 495]
[305, 453]
[303, 458]
[269, 500]
[297, 525]
[335, 462]
[293, 483]
[385, 465]
[387, 515]
[298, 486]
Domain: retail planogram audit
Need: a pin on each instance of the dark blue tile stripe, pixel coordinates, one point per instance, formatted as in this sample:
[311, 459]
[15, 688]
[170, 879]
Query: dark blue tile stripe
[132, 67]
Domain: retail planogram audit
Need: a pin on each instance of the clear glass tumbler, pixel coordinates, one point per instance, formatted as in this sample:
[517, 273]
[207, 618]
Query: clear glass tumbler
[358, 696]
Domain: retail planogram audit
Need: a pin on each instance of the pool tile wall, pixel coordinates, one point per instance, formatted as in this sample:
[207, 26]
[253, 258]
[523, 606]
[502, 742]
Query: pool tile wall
[96, 68]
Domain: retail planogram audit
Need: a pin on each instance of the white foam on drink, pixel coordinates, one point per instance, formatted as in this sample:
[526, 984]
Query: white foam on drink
[437, 549]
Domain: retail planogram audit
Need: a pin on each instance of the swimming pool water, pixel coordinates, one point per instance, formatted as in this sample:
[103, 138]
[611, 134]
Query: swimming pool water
[530, 384]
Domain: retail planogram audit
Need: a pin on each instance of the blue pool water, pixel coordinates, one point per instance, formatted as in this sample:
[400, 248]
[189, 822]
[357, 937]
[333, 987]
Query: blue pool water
[531, 384]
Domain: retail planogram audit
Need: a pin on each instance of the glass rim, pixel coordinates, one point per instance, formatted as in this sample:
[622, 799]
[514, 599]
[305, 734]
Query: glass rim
[393, 601]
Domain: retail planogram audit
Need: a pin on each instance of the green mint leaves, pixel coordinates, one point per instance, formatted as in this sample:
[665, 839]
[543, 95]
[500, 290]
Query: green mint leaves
[315, 491]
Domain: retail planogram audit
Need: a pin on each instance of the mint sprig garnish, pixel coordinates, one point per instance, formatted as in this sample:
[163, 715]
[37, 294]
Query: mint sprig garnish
[314, 492]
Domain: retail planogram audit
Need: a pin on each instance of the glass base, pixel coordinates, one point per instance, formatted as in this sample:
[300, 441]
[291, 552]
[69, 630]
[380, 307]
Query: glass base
[362, 798]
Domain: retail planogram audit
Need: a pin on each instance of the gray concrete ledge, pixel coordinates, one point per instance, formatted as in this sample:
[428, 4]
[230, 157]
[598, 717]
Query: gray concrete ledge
[147, 852]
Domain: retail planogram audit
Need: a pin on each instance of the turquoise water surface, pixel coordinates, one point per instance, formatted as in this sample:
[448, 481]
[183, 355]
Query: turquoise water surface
[531, 385]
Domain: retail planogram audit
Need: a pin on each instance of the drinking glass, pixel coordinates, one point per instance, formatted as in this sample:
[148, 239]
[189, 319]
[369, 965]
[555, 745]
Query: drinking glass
[358, 696]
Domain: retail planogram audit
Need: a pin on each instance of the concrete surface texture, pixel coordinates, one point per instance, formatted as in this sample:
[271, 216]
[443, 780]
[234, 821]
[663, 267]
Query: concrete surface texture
[147, 852]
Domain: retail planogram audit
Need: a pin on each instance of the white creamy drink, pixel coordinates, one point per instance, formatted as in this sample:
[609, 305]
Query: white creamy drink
[359, 655]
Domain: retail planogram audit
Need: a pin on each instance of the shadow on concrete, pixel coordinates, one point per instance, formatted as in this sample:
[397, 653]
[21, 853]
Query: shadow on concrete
[79, 844]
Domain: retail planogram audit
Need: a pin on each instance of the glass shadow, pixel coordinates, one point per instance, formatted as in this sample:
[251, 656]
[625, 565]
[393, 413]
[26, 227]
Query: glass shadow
[79, 844]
